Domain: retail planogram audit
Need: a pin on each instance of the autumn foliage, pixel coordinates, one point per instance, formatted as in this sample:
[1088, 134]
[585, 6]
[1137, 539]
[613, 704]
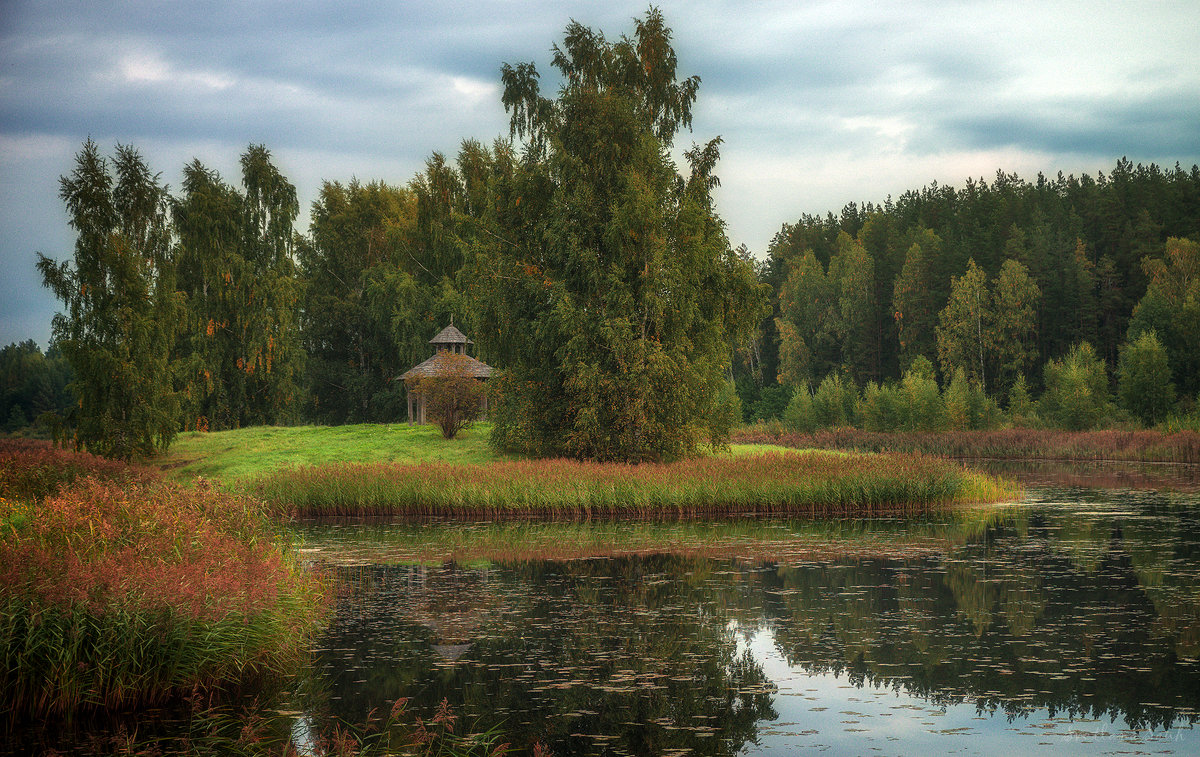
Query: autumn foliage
[117, 589]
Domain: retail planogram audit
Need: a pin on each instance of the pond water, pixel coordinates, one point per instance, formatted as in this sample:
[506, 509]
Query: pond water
[1066, 623]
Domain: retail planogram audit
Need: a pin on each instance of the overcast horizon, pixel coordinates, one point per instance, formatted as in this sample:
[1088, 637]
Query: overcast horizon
[818, 104]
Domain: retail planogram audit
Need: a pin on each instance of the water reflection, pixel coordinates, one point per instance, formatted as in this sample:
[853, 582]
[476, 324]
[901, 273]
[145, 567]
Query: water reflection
[1068, 622]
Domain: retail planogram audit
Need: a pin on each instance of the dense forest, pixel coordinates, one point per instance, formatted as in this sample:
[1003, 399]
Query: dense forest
[1002, 281]
[597, 275]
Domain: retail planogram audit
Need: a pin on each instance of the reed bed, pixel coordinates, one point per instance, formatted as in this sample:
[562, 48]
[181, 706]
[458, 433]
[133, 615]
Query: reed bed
[818, 483]
[1008, 444]
[33, 469]
[131, 591]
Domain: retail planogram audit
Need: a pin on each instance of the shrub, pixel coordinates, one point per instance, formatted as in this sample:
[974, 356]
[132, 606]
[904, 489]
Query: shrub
[452, 398]
[1144, 379]
[800, 415]
[833, 404]
[880, 407]
[1076, 395]
[1021, 410]
[921, 407]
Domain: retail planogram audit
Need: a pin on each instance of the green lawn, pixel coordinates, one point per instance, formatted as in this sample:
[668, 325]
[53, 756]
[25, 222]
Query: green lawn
[230, 456]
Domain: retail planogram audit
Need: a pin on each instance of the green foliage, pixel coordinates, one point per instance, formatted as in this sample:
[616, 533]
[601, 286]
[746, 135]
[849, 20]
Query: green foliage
[967, 406]
[121, 305]
[32, 384]
[852, 279]
[241, 352]
[915, 298]
[1171, 308]
[920, 401]
[800, 415]
[1022, 412]
[348, 264]
[834, 400]
[1144, 379]
[880, 407]
[771, 403]
[1076, 395]
[804, 320]
[964, 326]
[608, 290]
[452, 399]
[1013, 331]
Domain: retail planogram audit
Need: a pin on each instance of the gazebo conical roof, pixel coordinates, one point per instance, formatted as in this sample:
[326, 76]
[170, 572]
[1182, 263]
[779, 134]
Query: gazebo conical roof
[450, 335]
[438, 365]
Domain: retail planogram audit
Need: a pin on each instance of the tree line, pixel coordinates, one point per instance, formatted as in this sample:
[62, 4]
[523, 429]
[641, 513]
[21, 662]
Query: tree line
[597, 274]
[585, 263]
[1001, 282]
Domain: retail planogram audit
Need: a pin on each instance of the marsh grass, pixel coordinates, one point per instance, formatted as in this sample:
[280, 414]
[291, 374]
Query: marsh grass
[130, 591]
[819, 483]
[1008, 444]
[232, 456]
[32, 469]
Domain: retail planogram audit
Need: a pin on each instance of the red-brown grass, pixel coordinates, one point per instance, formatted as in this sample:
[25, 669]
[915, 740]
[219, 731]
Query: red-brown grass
[1017, 443]
[128, 591]
[33, 469]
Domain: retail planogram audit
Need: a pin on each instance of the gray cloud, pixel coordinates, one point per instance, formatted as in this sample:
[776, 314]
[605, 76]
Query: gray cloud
[819, 103]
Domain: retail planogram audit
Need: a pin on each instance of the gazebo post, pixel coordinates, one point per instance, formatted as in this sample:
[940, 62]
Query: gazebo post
[408, 394]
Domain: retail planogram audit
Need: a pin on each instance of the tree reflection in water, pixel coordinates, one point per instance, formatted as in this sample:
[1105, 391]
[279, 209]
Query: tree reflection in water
[1056, 610]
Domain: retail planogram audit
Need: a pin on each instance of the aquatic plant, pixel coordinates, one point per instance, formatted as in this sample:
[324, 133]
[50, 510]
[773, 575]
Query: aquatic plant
[126, 593]
[809, 482]
[1015, 443]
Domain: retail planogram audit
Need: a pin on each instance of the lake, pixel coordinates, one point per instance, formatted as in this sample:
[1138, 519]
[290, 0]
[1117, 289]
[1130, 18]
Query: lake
[1066, 623]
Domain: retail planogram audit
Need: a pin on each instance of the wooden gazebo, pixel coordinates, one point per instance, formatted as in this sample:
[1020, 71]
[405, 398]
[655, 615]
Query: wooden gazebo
[449, 341]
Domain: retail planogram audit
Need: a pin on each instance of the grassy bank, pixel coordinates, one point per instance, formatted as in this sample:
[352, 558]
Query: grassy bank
[119, 590]
[783, 482]
[1008, 444]
[231, 456]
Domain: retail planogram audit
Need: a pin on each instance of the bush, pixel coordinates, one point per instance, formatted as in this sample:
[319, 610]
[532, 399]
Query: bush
[921, 406]
[1076, 395]
[800, 415]
[880, 407]
[833, 404]
[1021, 409]
[1144, 379]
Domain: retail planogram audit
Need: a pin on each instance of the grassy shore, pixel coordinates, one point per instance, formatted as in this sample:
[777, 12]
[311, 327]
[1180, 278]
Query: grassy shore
[412, 470]
[1007, 444]
[120, 590]
[233, 456]
[784, 482]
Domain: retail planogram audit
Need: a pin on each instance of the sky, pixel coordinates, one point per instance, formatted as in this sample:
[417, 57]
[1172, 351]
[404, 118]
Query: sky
[819, 103]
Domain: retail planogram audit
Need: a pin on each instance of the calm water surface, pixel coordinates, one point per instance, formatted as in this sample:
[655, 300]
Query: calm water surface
[1068, 623]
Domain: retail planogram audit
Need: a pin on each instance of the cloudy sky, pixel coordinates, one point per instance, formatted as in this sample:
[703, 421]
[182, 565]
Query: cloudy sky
[819, 103]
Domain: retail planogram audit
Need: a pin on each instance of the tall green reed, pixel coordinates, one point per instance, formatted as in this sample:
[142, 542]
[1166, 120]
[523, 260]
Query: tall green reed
[786, 482]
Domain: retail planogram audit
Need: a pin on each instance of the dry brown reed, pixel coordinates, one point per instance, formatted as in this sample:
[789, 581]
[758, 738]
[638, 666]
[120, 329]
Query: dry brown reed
[1016, 443]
